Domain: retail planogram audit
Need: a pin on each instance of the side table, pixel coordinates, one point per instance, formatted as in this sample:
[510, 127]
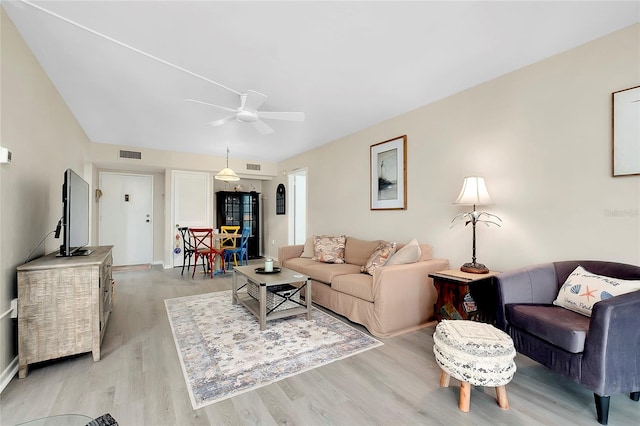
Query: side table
[462, 295]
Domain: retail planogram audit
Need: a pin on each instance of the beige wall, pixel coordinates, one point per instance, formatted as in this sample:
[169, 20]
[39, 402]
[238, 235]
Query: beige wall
[45, 139]
[107, 156]
[541, 137]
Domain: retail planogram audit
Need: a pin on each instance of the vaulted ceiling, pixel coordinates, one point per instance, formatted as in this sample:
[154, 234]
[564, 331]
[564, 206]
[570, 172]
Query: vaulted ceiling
[346, 65]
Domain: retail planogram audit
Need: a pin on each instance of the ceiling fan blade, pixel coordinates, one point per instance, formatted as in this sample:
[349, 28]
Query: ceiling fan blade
[220, 122]
[252, 100]
[213, 105]
[289, 116]
[262, 127]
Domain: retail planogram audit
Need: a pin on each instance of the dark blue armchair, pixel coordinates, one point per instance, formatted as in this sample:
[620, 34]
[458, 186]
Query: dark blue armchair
[601, 352]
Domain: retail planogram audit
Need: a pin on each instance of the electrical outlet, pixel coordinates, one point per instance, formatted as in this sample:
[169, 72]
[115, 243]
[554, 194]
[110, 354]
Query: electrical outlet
[273, 242]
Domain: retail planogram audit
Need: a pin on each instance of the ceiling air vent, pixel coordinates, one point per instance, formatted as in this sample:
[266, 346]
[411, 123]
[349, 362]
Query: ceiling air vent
[253, 166]
[136, 155]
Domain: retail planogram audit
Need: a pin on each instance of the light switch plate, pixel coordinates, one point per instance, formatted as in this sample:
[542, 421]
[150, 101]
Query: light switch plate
[5, 156]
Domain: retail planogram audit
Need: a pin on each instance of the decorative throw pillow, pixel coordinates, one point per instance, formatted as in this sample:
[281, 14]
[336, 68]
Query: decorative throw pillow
[410, 253]
[328, 249]
[582, 290]
[379, 257]
[308, 250]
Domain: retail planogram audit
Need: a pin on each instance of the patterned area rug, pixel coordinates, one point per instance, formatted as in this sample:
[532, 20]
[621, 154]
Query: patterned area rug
[223, 352]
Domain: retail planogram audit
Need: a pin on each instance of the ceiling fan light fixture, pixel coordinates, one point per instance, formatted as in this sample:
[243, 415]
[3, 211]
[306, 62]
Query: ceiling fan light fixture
[227, 174]
[246, 116]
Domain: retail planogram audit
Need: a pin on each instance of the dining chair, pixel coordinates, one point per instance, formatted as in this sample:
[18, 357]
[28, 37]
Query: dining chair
[229, 242]
[204, 247]
[241, 251]
[187, 248]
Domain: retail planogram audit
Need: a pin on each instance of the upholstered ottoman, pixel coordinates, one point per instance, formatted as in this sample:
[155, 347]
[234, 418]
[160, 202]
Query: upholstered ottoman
[476, 354]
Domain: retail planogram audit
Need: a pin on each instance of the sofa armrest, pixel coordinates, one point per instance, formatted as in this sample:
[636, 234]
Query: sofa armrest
[533, 284]
[288, 252]
[610, 362]
[406, 289]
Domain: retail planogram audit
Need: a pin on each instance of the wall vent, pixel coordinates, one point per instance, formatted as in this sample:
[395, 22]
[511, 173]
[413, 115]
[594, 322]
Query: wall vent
[136, 155]
[253, 166]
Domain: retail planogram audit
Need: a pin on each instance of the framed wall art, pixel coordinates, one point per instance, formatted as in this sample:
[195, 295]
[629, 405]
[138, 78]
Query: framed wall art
[388, 170]
[281, 199]
[626, 132]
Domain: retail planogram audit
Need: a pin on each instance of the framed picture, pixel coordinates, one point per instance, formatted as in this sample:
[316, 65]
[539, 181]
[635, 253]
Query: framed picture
[626, 132]
[389, 174]
[281, 202]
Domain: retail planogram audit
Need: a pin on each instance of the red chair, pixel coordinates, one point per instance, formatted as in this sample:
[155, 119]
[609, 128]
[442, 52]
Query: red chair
[203, 247]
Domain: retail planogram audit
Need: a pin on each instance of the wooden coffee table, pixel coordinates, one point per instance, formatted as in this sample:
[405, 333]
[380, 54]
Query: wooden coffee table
[244, 276]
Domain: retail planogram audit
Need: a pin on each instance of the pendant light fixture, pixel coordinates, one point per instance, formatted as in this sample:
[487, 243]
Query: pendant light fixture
[227, 174]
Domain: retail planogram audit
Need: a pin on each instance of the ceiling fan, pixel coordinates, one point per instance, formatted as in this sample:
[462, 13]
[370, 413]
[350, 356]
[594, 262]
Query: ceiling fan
[249, 101]
[248, 112]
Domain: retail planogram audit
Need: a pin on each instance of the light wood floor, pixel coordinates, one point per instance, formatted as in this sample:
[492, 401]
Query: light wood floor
[139, 380]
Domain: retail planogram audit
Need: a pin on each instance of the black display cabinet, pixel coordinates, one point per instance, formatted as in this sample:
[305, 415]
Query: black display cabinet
[241, 209]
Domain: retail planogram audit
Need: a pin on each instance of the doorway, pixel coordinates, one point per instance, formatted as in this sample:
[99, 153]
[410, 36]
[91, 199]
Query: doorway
[298, 206]
[126, 217]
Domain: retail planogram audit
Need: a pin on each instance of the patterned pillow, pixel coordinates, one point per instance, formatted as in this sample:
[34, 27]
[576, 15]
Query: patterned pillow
[379, 257]
[328, 249]
[582, 290]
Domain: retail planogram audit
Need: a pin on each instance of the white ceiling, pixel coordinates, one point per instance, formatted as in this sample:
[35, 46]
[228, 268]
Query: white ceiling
[347, 65]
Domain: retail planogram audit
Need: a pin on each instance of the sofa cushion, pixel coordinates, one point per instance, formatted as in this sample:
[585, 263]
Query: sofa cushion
[325, 272]
[379, 257]
[329, 249]
[356, 285]
[298, 263]
[556, 325]
[582, 290]
[358, 251]
[409, 253]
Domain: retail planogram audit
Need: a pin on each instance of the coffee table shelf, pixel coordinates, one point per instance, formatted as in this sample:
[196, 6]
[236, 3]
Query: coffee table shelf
[264, 281]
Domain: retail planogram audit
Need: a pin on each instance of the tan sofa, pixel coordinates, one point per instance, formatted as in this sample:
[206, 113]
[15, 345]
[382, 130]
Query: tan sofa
[395, 300]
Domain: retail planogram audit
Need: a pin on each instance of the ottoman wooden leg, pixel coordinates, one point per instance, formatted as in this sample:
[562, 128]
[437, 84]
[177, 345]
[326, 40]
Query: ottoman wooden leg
[501, 393]
[465, 396]
[444, 379]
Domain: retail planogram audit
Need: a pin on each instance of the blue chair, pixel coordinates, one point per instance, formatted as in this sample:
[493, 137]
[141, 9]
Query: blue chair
[241, 250]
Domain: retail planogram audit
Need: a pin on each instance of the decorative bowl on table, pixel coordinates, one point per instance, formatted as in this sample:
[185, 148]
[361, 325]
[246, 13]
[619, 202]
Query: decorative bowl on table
[261, 270]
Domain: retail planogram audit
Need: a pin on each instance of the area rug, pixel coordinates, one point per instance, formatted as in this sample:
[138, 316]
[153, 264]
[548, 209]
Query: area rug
[223, 352]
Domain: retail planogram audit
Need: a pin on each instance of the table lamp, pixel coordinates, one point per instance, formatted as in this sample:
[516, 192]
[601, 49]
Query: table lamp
[474, 192]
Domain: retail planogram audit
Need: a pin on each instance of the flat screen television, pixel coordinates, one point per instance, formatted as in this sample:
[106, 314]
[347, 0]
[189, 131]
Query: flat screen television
[75, 215]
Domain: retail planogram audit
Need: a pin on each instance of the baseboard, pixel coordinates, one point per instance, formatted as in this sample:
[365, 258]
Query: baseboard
[8, 374]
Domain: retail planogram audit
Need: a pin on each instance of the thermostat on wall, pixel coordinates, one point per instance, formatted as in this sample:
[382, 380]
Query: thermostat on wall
[5, 156]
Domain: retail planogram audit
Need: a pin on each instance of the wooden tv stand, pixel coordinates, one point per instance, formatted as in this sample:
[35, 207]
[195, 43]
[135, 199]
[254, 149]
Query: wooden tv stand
[63, 306]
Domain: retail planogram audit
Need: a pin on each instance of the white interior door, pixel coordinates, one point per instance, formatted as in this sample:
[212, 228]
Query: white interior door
[126, 215]
[192, 203]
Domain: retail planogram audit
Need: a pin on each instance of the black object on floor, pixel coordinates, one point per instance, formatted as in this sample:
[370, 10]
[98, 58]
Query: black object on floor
[103, 420]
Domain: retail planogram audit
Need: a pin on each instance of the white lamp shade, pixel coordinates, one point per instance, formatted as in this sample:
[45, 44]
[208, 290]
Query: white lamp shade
[227, 175]
[474, 192]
